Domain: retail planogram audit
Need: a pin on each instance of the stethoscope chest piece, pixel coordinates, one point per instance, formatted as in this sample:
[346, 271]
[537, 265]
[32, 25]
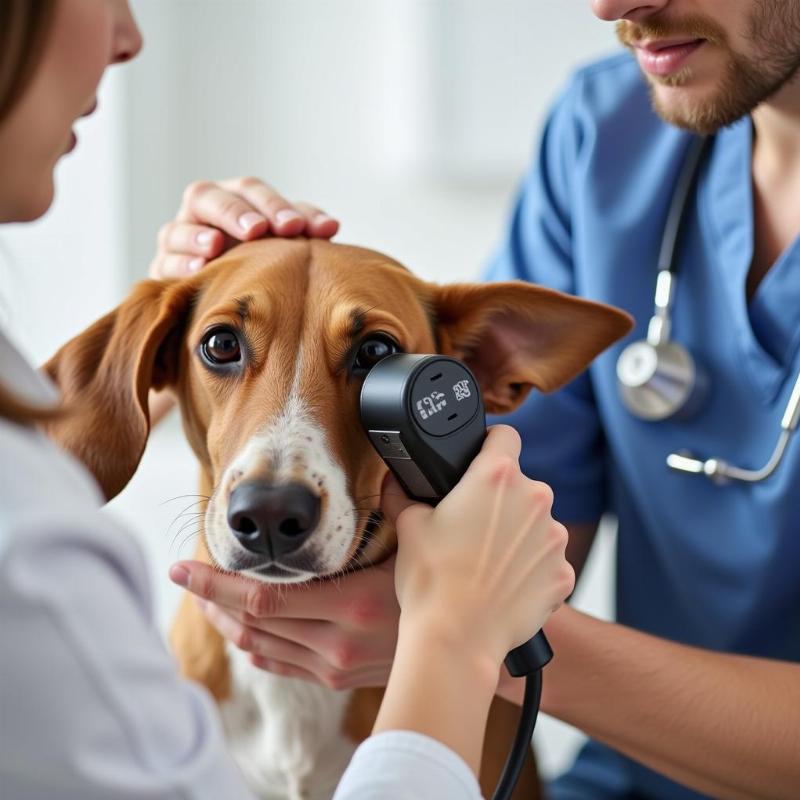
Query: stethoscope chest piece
[659, 381]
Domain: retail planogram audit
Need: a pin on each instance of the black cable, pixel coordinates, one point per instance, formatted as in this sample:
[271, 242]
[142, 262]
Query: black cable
[522, 740]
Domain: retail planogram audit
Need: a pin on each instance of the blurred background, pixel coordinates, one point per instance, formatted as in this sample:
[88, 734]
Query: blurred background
[412, 121]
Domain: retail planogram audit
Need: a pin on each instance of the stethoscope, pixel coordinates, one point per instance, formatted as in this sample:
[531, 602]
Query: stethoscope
[658, 379]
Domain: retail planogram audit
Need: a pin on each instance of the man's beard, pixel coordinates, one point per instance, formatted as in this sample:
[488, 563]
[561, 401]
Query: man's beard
[747, 81]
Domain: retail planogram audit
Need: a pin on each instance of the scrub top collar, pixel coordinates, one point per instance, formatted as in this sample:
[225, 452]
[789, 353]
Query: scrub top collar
[768, 327]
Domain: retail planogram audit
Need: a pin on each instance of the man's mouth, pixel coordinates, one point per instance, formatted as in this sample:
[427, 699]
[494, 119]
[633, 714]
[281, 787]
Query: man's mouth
[662, 57]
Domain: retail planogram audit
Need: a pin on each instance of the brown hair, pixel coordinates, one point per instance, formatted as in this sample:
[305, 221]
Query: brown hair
[24, 25]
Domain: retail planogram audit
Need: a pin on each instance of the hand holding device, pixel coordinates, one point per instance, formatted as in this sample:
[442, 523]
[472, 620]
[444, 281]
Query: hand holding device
[425, 417]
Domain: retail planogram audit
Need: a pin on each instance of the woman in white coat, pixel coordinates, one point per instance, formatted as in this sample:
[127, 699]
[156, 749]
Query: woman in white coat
[90, 704]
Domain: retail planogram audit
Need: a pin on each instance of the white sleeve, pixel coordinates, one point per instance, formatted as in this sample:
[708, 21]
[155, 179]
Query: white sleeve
[91, 705]
[402, 765]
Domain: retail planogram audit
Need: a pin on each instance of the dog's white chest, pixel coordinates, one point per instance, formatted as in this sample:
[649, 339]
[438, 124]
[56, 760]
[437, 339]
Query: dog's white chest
[286, 735]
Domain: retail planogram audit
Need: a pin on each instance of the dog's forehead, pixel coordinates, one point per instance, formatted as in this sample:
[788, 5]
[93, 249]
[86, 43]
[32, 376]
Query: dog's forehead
[270, 272]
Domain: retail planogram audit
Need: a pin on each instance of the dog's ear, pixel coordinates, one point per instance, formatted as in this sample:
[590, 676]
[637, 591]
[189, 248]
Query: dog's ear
[515, 336]
[105, 373]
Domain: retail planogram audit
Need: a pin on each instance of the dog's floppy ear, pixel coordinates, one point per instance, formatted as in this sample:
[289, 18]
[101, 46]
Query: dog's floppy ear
[516, 336]
[105, 373]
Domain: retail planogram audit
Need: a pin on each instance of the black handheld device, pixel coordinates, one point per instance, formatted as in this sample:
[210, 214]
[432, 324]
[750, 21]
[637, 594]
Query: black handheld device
[424, 415]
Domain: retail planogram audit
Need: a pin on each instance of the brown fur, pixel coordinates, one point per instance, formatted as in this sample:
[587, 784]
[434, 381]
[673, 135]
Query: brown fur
[290, 295]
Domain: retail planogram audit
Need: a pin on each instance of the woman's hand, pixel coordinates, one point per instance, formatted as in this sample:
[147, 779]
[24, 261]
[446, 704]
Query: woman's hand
[487, 566]
[215, 216]
[339, 633]
[476, 576]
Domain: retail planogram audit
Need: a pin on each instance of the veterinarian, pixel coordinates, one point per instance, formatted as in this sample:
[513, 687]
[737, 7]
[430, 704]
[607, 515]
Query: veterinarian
[696, 691]
[90, 702]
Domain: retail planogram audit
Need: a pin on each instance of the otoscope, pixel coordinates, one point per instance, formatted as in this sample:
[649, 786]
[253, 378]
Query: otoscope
[424, 415]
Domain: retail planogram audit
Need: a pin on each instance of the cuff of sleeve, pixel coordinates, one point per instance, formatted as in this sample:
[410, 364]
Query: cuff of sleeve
[406, 764]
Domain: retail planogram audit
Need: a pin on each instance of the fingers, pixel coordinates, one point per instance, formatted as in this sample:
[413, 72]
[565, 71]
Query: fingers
[502, 441]
[333, 679]
[286, 657]
[341, 648]
[191, 239]
[319, 224]
[394, 500]
[211, 204]
[284, 219]
[324, 600]
[173, 265]
[256, 641]
[214, 216]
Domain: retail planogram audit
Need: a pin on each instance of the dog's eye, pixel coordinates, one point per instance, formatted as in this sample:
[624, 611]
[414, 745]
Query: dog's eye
[221, 346]
[373, 350]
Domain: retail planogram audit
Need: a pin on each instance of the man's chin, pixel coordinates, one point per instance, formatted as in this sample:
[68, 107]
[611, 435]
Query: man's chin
[692, 106]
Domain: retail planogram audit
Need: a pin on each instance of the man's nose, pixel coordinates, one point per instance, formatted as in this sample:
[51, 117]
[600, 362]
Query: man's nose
[273, 520]
[627, 9]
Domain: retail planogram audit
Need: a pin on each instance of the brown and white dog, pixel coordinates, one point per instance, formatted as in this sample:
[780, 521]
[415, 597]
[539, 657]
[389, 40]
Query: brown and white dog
[266, 350]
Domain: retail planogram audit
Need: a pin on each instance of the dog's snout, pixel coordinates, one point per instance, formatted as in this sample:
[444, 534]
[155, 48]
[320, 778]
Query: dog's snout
[273, 520]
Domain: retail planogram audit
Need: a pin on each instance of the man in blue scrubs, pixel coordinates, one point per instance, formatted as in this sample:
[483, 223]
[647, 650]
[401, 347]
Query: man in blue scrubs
[717, 567]
[698, 684]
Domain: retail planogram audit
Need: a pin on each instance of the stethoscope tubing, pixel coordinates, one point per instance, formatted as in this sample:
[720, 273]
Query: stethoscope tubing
[657, 378]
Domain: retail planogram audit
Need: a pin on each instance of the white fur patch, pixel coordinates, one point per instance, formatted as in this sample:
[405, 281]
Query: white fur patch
[290, 448]
[285, 734]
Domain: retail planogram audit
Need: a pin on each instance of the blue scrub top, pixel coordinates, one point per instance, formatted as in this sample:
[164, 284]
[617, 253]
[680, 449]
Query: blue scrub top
[716, 567]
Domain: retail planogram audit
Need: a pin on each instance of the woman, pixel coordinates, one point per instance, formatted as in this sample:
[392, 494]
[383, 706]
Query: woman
[89, 701]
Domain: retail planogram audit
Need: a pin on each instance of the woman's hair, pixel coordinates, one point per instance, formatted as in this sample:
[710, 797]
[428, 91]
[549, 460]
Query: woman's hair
[23, 31]
[24, 25]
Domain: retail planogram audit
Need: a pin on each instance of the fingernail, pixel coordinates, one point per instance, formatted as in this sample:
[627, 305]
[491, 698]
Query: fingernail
[204, 238]
[286, 215]
[321, 219]
[180, 575]
[249, 220]
[195, 264]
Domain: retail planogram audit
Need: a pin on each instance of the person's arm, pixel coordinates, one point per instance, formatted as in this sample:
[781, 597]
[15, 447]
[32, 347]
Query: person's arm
[475, 577]
[427, 740]
[724, 725]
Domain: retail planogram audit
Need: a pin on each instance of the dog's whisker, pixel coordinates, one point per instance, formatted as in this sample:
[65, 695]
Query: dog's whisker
[176, 548]
[185, 511]
[187, 524]
[183, 496]
[192, 535]
[194, 514]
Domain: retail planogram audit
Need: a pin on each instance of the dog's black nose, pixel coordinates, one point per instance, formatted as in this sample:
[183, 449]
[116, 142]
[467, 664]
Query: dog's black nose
[274, 520]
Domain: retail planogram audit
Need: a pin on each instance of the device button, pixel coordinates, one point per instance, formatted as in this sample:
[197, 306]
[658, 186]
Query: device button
[389, 444]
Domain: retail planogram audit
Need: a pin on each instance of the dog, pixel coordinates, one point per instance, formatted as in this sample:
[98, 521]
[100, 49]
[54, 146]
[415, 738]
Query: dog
[265, 350]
